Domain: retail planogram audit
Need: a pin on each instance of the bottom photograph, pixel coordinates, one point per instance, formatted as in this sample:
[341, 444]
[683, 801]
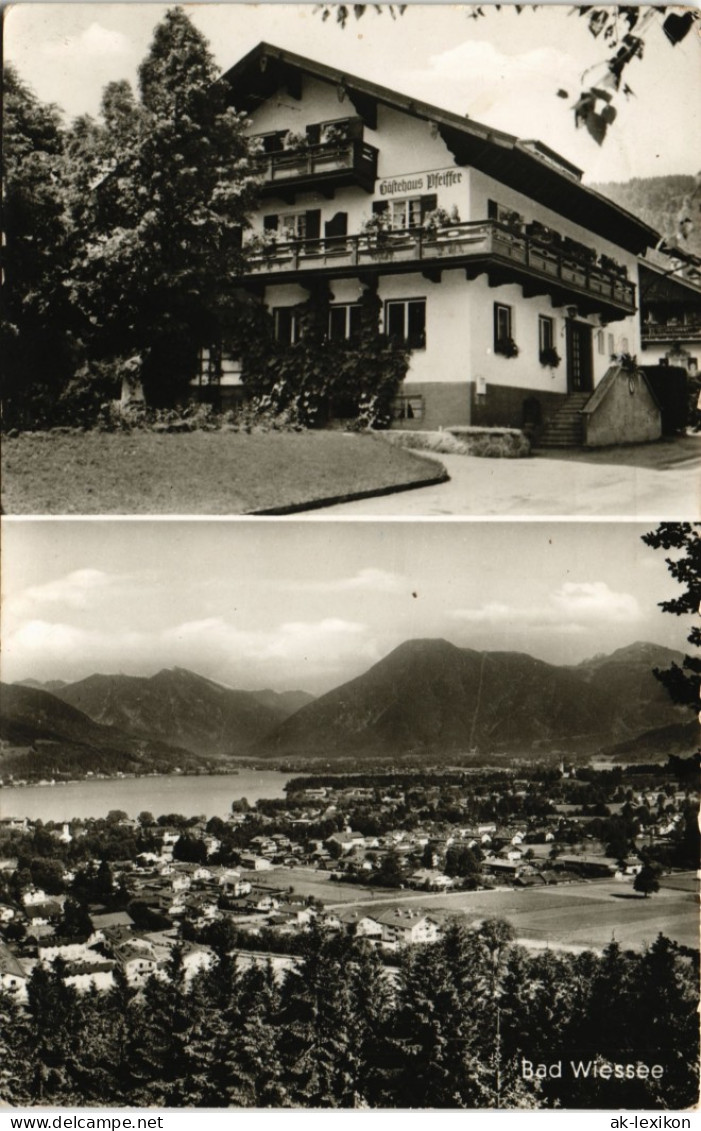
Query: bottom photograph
[322, 814]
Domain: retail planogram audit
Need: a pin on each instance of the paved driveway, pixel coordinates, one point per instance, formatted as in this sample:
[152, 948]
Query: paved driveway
[647, 481]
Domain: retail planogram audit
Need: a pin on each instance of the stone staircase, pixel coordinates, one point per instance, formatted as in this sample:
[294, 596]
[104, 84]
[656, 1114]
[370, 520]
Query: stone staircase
[565, 429]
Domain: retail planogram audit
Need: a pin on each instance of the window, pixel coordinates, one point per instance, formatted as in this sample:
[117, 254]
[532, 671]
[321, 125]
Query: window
[408, 212]
[405, 213]
[269, 143]
[344, 321]
[405, 321]
[508, 216]
[503, 330]
[600, 341]
[408, 408]
[612, 345]
[546, 333]
[286, 325]
[295, 225]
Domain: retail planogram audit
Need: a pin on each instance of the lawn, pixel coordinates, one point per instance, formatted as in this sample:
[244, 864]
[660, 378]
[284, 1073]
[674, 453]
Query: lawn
[199, 472]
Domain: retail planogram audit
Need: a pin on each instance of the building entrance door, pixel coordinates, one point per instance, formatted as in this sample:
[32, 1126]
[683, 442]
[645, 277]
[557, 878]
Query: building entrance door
[579, 358]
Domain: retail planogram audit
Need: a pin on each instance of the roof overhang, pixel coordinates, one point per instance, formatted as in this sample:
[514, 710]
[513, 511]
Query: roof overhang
[526, 166]
[658, 285]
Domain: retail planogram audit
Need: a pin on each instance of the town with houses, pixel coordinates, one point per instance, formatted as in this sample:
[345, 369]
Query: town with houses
[125, 892]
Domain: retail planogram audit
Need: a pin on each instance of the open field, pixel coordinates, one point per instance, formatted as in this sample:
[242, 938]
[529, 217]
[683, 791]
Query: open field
[197, 473]
[586, 914]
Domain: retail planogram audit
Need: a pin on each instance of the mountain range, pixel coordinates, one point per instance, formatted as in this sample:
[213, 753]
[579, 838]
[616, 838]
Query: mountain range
[428, 699]
[431, 697]
[671, 204]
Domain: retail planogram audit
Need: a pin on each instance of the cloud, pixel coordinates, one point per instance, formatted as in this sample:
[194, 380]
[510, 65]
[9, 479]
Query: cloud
[80, 589]
[296, 642]
[74, 588]
[365, 581]
[595, 601]
[48, 647]
[571, 609]
[476, 78]
[93, 42]
[292, 652]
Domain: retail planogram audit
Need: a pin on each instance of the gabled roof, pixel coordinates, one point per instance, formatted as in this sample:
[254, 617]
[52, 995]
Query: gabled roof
[526, 166]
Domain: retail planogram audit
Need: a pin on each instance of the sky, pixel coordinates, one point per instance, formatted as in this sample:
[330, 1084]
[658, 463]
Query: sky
[503, 69]
[309, 604]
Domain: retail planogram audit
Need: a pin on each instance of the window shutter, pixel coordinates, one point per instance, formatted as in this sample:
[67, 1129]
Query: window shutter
[337, 225]
[429, 203]
[313, 224]
[492, 210]
[380, 205]
[270, 223]
[354, 127]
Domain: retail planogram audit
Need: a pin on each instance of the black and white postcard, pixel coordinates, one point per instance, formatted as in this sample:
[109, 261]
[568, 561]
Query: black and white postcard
[351, 560]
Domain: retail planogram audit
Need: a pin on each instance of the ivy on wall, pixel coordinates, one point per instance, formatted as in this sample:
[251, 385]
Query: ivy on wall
[318, 378]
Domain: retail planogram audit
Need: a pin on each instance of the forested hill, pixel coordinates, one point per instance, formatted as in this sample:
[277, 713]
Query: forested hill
[662, 202]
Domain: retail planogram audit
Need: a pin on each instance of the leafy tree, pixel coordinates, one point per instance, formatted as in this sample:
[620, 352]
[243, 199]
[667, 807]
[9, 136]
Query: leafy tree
[190, 848]
[75, 921]
[392, 871]
[115, 816]
[460, 860]
[647, 880]
[683, 683]
[36, 318]
[160, 227]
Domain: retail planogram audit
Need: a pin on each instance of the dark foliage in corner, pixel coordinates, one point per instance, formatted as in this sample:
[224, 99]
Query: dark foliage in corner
[682, 683]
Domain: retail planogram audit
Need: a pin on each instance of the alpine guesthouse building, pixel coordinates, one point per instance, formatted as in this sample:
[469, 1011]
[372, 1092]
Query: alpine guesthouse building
[511, 282]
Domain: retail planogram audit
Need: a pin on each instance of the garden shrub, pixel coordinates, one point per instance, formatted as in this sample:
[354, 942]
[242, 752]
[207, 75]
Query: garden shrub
[315, 378]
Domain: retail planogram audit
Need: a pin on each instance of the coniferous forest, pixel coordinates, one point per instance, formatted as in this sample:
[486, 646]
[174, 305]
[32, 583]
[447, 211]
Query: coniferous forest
[449, 1027]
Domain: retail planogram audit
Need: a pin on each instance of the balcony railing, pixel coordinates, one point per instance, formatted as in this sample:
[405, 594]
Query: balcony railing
[687, 329]
[478, 246]
[334, 165]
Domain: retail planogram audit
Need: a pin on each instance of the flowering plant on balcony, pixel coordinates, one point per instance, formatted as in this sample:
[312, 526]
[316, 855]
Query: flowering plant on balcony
[549, 356]
[335, 135]
[506, 347]
[376, 229]
[295, 143]
[606, 263]
[440, 218]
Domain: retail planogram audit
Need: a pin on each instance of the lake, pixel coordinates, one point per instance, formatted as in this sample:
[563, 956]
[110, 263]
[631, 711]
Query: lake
[210, 794]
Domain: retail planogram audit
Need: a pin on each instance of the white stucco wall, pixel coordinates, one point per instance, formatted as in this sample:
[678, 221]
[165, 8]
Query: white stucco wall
[447, 352]
[459, 313]
[405, 144]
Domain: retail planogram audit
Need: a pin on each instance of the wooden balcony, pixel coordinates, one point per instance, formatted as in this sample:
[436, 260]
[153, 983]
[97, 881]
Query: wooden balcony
[320, 168]
[682, 329]
[479, 247]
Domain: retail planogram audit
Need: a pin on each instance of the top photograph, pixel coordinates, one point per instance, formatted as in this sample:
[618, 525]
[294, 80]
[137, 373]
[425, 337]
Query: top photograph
[351, 260]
